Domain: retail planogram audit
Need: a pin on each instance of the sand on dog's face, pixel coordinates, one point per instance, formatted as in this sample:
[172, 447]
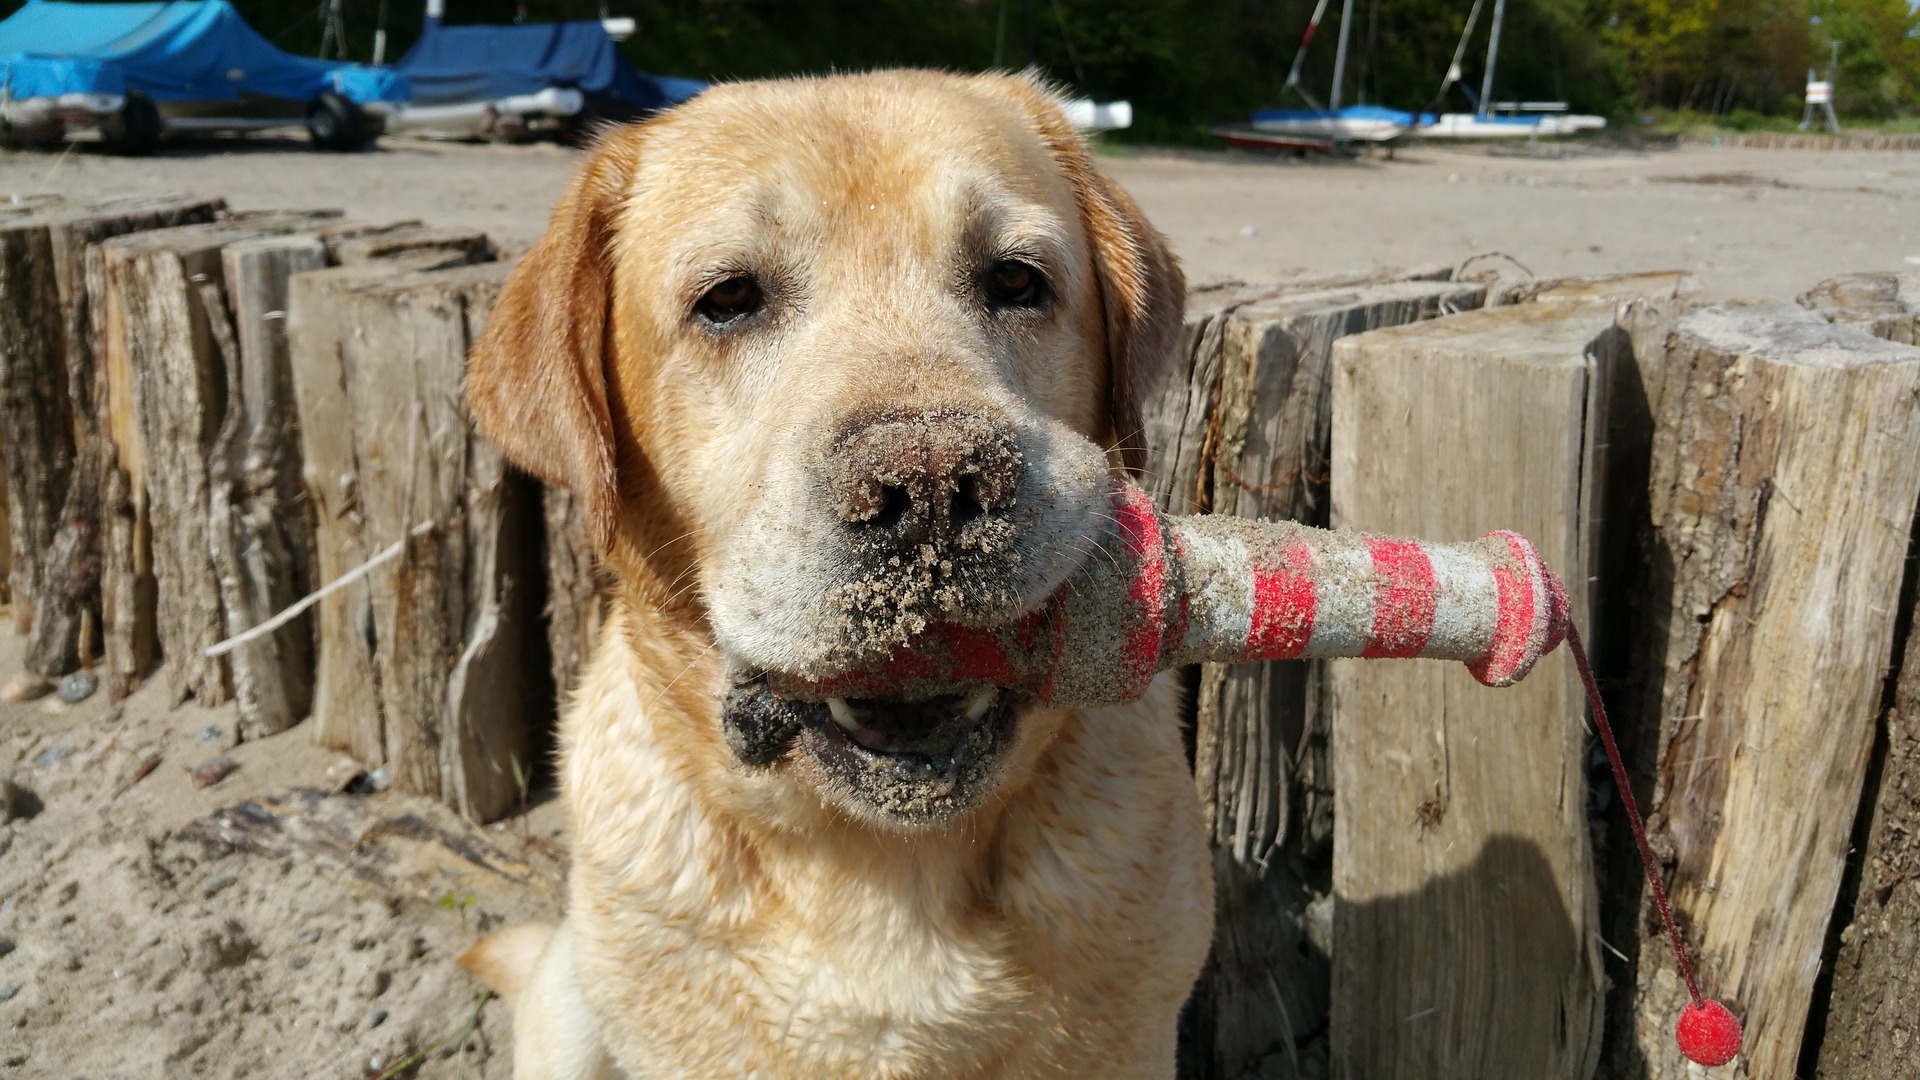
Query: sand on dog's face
[867, 213]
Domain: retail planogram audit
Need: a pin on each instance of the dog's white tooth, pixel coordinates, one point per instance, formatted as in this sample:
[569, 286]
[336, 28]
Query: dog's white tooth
[979, 702]
[843, 713]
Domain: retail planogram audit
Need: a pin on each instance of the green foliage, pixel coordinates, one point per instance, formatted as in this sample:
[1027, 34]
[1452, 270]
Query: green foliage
[1879, 43]
[1718, 56]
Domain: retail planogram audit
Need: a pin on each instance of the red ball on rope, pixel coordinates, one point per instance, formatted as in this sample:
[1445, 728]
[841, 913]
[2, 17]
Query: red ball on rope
[1707, 1032]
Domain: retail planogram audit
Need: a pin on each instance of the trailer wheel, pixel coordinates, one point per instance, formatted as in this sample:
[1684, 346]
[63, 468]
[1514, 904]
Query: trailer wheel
[133, 131]
[335, 123]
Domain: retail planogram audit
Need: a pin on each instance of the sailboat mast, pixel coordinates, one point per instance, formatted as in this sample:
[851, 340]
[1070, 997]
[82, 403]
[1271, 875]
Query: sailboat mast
[1493, 55]
[1340, 54]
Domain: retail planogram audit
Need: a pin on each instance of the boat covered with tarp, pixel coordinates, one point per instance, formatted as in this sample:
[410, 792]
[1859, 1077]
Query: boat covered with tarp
[136, 71]
[507, 80]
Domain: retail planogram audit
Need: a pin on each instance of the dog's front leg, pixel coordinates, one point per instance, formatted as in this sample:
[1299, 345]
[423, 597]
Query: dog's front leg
[555, 1036]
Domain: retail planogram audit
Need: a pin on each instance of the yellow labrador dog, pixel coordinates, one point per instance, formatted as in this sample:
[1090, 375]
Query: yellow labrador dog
[827, 359]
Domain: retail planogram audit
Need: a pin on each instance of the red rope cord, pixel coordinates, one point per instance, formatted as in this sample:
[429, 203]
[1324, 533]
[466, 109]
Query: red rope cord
[1633, 810]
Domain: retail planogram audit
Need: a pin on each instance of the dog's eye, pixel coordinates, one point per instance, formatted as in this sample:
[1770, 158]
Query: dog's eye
[734, 298]
[1015, 284]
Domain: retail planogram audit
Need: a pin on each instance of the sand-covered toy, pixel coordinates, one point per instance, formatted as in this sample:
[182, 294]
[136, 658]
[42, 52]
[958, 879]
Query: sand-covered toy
[1162, 592]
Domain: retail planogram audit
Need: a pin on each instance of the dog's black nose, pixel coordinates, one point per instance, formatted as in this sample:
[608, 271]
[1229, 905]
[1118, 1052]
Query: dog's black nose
[907, 478]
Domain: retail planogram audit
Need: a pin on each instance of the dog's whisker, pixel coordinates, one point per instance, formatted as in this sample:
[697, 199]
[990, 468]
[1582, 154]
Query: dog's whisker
[690, 572]
[691, 664]
[665, 544]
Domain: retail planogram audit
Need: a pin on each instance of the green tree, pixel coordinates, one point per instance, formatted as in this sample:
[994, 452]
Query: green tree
[1879, 54]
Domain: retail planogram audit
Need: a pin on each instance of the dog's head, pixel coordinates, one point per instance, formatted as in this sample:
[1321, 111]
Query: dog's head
[828, 360]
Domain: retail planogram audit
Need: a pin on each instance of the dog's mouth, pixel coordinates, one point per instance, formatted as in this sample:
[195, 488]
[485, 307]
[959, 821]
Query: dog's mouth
[916, 762]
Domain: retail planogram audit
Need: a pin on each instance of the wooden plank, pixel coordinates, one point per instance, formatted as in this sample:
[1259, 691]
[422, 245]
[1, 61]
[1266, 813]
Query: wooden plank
[6, 534]
[403, 368]
[1885, 305]
[1179, 419]
[1260, 751]
[129, 637]
[173, 393]
[1464, 899]
[346, 712]
[258, 524]
[69, 607]
[467, 530]
[1275, 409]
[1872, 1019]
[401, 240]
[333, 234]
[576, 598]
[1872, 1022]
[1629, 286]
[1782, 499]
[499, 707]
[36, 421]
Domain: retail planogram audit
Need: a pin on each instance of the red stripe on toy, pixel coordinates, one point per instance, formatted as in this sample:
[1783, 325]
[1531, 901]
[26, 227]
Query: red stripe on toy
[1513, 626]
[1284, 603]
[1175, 632]
[1140, 532]
[1403, 599]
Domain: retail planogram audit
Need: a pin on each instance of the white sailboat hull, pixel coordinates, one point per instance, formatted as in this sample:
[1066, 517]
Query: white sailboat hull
[1471, 126]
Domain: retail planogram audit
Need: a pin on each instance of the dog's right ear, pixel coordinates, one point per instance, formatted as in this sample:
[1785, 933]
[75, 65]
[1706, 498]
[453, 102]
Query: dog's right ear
[536, 380]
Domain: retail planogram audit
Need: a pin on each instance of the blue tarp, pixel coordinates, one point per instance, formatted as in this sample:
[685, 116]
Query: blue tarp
[1350, 112]
[184, 50]
[455, 64]
[1377, 112]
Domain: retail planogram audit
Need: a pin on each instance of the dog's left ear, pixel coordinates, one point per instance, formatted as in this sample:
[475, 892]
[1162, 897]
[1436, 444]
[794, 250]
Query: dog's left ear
[1141, 287]
[536, 380]
[1144, 295]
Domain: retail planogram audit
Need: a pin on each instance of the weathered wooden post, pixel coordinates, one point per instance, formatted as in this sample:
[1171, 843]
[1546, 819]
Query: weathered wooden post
[38, 430]
[425, 658]
[1465, 906]
[346, 713]
[575, 598]
[6, 533]
[1872, 1028]
[55, 380]
[1885, 305]
[1786, 464]
[372, 245]
[261, 544]
[1260, 759]
[167, 394]
[1872, 1024]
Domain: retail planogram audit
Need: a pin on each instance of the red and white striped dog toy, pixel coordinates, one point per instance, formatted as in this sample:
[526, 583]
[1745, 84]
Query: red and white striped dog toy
[1166, 592]
[1169, 592]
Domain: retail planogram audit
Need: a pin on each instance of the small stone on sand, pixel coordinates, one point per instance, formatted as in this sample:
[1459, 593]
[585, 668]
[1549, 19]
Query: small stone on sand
[78, 686]
[213, 770]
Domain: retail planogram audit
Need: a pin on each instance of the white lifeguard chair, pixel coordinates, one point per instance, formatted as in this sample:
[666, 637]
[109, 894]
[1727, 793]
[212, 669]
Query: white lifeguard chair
[1819, 96]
